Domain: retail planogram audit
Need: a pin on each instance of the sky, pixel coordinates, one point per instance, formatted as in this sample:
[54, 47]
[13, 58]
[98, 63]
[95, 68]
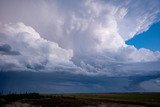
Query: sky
[149, 39]
[78, 46]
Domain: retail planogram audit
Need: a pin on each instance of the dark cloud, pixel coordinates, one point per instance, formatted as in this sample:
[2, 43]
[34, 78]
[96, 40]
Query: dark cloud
[62, 82]
[6, 49]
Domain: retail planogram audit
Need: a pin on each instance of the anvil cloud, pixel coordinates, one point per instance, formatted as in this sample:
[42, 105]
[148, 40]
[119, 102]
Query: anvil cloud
[86, 37]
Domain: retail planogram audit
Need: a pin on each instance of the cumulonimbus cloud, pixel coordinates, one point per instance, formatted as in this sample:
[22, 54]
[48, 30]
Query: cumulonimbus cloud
[35, 52]
[89, 36]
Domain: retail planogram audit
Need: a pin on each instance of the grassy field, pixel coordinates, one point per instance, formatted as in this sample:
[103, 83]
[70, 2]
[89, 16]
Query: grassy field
[132, 98]
[78, 100]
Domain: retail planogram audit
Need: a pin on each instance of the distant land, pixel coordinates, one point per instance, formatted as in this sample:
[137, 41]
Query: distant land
[81, 100]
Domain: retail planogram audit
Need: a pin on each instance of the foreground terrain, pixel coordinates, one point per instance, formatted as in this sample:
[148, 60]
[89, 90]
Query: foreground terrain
[81, 100]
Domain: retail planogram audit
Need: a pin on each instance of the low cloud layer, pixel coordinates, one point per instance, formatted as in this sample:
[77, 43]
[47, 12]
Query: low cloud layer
[86, 37]
[71, 83]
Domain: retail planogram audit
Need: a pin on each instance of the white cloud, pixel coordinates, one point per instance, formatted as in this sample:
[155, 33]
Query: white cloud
[139, 17]
[95, 31]
[131, 54]
[34, 50]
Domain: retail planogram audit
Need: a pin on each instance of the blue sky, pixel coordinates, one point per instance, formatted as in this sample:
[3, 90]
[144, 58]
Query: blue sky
[149, 39]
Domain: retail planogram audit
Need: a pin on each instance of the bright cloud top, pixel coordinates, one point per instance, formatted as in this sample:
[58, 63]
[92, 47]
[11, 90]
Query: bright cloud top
[87, 36]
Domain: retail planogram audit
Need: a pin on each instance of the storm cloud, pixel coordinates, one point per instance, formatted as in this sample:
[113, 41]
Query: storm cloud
[62, 82]
[84, 37]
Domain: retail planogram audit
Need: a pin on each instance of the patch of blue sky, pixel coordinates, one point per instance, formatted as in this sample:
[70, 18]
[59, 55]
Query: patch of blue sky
[149, 39]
